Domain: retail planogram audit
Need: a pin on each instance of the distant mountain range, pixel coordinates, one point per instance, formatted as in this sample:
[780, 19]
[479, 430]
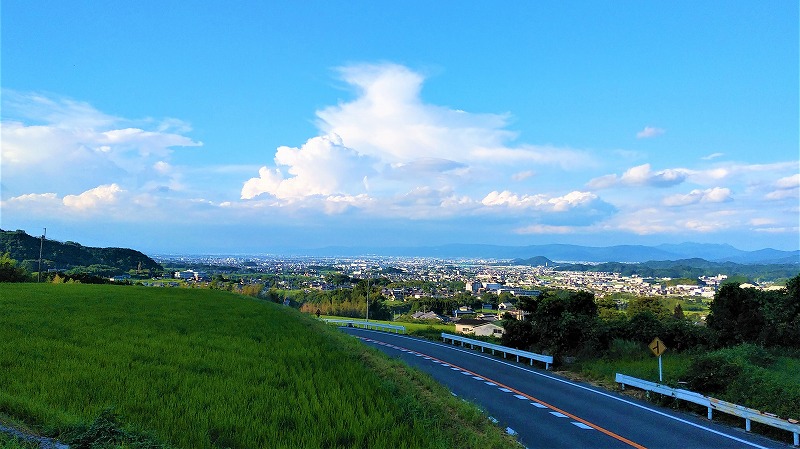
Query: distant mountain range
[577, 253]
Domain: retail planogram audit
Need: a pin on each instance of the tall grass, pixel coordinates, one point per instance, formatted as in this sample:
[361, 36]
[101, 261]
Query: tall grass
[207, 369]
[767, 380]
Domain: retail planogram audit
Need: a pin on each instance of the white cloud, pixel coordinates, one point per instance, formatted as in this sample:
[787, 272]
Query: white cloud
[404, 153]
[649, 131]
[60, 144]
[786, 187]
[336, 204]
[761, 221]
[574, 208]
[423, 166]
[750, 172]
[704, 226]
[162, 167]
[523, 175]
[791, 230]
[642, 175]
[99, 196]
[532, 154]
[509, 199]
[789, 182]
[712, 156]
[33, 200]
[603, 182]
[323, 166]
[781, 194]
[545, 229]
[713, 195]
[643, 221]
[49, 109]
[389, 121]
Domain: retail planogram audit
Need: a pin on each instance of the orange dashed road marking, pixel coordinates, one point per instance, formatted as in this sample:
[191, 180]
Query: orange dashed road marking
[514, 390]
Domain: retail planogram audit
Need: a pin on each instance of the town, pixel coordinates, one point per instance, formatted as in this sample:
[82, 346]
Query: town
[442, 278]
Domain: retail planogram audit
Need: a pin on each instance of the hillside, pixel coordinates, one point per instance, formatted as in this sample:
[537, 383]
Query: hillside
[689, 268]
[64, 256]
[210, 369]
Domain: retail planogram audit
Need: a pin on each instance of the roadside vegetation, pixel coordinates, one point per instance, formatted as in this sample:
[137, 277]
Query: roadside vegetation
[746, 352]
[209, 369]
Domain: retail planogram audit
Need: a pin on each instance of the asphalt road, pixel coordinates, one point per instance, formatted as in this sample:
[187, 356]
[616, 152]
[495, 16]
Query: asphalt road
[548, 411]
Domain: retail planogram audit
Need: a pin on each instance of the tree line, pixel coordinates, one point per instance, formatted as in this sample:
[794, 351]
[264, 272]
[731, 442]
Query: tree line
[572, 323]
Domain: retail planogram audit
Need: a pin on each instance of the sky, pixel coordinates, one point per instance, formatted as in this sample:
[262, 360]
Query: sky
[264, 126]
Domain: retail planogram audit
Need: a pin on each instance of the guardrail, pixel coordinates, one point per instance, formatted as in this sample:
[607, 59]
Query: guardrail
[368, 325]
[547, 359]
[749, 414]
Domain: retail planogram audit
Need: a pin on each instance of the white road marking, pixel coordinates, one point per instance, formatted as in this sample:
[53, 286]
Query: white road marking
[573, 384]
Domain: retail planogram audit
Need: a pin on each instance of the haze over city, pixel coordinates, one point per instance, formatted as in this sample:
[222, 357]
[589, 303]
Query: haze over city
[260, 126]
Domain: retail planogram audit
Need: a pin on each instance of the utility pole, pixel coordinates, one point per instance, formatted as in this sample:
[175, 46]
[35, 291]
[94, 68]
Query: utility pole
[41, 245]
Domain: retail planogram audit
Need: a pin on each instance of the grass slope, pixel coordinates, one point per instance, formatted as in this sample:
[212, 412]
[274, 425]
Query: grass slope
[206, 369]
[771, 385]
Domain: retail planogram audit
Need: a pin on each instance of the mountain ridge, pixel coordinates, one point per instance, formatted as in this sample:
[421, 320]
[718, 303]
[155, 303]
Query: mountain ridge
[577, 253]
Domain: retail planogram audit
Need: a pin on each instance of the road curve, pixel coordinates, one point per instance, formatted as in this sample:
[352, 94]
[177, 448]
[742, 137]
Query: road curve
[548, 411]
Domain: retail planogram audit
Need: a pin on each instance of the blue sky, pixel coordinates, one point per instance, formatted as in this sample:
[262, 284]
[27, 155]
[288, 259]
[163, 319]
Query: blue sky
[260, 126]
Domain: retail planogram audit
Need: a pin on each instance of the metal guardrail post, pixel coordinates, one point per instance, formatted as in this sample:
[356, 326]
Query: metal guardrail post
[741, 411]
[547, 360]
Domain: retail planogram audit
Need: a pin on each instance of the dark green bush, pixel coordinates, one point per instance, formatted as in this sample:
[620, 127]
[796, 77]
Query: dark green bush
[710, 374]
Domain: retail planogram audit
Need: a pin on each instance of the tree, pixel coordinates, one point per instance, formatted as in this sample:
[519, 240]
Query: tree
[650, 304]
[781, 311]
[518, 334]
[608, 310]
[9, 272]
[644, 326]
[678, 312]
[736, 315]
[563, 322]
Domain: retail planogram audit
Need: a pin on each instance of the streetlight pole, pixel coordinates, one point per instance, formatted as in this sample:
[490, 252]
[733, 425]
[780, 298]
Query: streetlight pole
[41, 245]
[367, 297]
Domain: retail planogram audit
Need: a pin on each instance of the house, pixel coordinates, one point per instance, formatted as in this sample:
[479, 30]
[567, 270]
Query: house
[188, 274]
[516, 313]
[478, 327]
[505, 306]
[426, 316]
[490, 317]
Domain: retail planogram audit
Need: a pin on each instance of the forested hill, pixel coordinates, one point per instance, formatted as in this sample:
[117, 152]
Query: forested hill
[64, 256]
[689, 268]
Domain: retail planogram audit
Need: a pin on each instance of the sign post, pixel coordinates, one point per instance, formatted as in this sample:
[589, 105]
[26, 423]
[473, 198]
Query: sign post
[658, 347]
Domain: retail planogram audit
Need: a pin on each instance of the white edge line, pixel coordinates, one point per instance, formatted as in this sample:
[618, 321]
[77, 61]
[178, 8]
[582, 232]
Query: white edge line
[625, 401]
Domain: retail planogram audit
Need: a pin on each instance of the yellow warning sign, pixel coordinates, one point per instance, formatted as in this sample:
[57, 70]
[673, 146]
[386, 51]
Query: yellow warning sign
[657, 346]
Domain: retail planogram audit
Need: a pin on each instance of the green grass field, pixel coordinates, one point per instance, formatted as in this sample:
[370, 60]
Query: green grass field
[207, 369]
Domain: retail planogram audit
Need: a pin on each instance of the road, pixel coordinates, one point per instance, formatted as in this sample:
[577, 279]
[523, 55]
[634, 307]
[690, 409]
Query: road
[548, 411]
